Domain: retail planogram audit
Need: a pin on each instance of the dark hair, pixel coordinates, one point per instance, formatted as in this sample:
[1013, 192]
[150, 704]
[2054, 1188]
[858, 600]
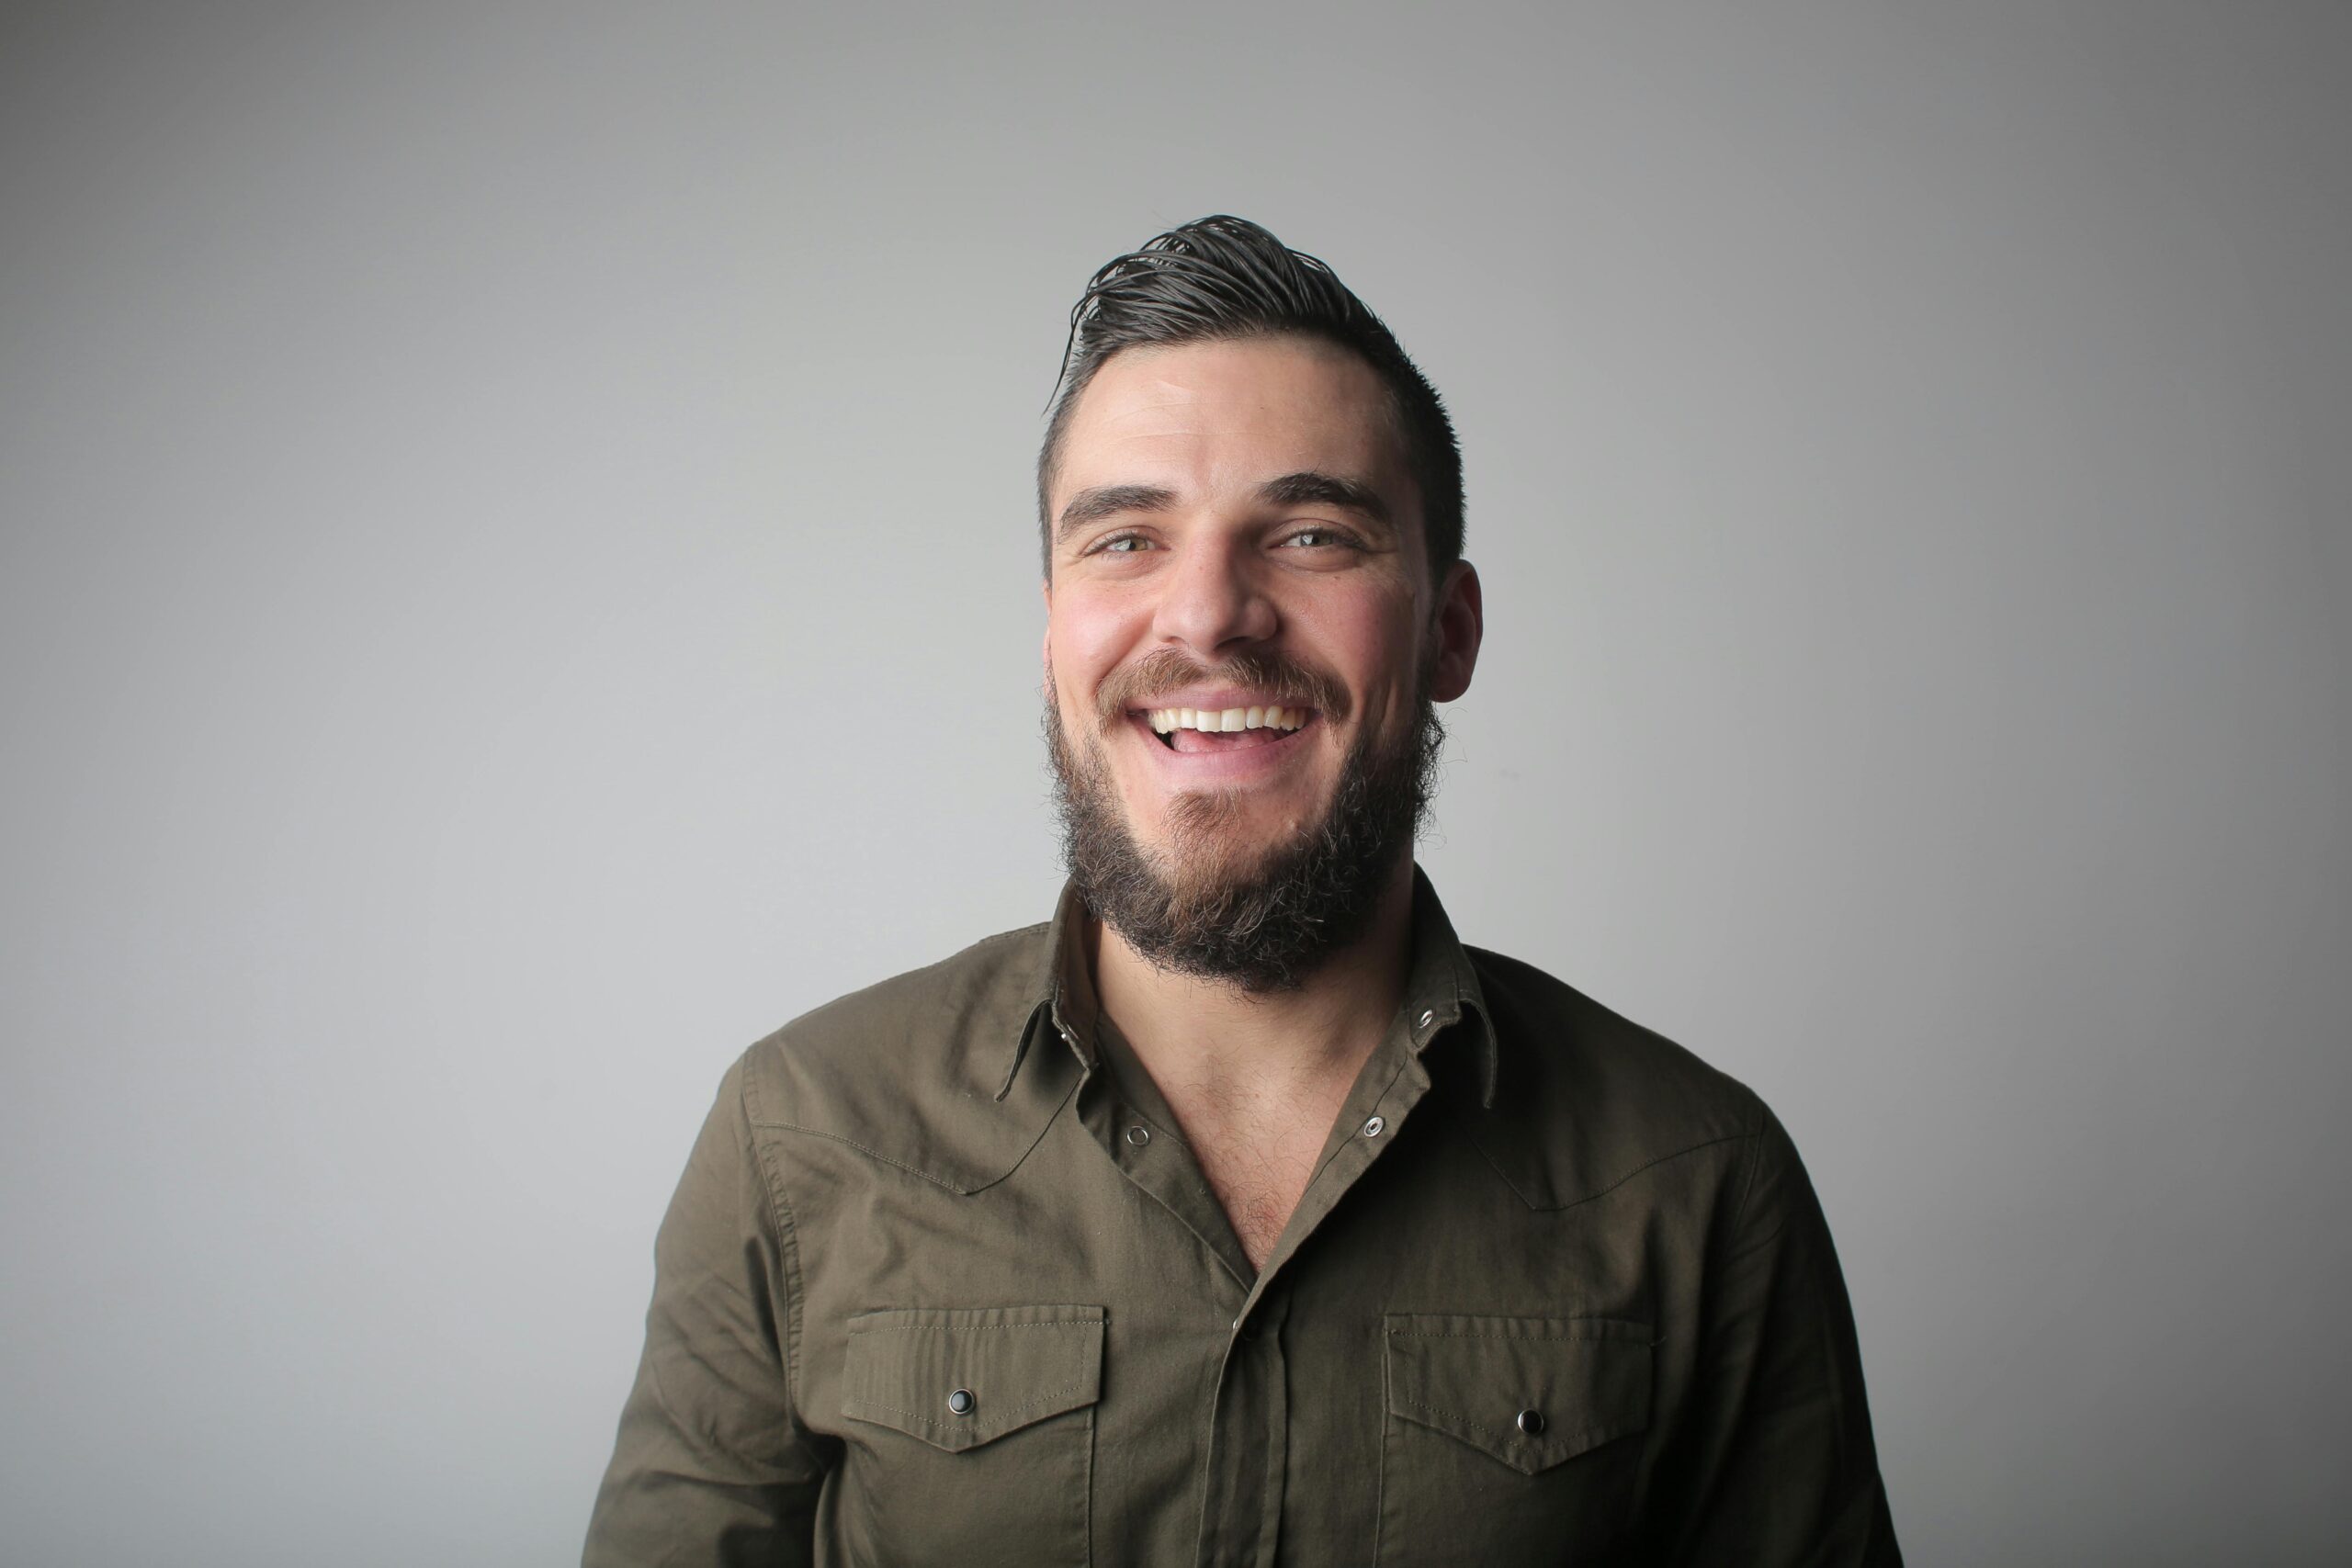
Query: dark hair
[1218, 278]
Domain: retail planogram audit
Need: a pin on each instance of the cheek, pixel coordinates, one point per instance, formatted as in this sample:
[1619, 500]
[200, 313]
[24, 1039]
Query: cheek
[1086, 637]
[1075, 670]
[1370, 644]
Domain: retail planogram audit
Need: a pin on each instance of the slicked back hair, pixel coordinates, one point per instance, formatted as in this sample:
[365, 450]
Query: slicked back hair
[1221, 278]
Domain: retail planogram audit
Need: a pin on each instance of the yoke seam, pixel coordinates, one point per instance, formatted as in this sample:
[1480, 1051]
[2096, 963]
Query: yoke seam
[1604, 1191]
[870, 1152]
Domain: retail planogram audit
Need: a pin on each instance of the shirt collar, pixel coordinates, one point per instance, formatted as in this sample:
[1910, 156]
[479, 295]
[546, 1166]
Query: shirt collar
[1441, 989]
[1061, 990]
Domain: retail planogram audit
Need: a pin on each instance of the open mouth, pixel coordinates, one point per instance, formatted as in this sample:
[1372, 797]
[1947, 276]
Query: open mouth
[1195, 731]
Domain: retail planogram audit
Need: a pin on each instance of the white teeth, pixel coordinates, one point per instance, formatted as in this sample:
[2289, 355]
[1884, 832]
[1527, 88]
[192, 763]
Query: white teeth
[1219, 721]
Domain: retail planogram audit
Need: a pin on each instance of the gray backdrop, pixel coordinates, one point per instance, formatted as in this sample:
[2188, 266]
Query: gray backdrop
[518, 579]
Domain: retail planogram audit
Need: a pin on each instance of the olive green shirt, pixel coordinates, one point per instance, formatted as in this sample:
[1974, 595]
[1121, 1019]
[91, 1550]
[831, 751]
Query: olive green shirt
[943, 1284]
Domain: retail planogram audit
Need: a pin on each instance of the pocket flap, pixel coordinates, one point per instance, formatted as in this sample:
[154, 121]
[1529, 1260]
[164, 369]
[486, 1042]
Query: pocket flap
[1528, 1391]
[958, 1377]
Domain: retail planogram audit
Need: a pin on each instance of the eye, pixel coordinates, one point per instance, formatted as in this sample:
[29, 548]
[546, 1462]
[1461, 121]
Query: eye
[1120, 545]
[1320, 537]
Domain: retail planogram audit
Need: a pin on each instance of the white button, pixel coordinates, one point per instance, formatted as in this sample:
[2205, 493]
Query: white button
[1373, 1128]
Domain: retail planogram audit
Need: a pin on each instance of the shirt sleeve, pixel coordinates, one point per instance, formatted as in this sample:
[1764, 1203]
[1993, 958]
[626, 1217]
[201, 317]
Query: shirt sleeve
[1779, 1466]
[712, 1465]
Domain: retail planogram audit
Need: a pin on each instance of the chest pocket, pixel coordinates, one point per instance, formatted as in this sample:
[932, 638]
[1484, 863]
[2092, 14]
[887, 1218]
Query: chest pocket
[1501, 1443]
[969, 1435]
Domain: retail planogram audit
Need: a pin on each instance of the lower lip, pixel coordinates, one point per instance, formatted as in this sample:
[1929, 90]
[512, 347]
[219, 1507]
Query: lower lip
[1238, 765]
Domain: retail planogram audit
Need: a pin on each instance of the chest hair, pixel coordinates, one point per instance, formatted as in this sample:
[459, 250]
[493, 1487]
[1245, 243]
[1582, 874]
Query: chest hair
[1258, 1160]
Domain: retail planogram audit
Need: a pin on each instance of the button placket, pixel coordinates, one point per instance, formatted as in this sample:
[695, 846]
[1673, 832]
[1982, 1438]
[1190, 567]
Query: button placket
[1247, 1459]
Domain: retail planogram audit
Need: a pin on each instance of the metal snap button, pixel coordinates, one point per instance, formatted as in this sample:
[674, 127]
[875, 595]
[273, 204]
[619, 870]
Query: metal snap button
[1374, 1127]
[1532, 1423]
[1427, 1018]
[960, 1402]
[1139, 1135]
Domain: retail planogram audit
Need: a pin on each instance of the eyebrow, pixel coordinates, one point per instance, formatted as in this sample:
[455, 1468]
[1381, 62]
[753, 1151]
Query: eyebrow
[1311, 487]
[1307, 487]
[1109, 501]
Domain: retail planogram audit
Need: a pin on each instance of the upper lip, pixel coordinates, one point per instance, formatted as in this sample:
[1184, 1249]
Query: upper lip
[1216, 699]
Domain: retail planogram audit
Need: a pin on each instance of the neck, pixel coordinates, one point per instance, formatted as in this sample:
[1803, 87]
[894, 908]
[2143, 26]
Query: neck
[1185, 1028]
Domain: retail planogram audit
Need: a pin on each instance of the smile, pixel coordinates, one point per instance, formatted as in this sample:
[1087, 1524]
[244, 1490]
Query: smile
[1198, 731]
[1226, 721]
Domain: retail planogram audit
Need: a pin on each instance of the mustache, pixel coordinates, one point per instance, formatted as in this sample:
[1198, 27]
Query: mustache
[1282, 679]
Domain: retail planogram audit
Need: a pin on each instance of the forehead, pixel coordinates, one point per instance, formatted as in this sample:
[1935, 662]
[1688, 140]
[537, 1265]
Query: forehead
[1202, 418]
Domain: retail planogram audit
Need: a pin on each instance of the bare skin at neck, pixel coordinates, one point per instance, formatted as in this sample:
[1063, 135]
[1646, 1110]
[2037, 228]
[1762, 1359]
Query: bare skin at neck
[1256, 1081]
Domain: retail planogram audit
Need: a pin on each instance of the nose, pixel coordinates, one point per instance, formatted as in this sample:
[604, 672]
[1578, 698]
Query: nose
[1212, 600]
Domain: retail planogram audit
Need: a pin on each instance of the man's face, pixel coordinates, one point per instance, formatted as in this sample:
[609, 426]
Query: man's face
[1235, 529]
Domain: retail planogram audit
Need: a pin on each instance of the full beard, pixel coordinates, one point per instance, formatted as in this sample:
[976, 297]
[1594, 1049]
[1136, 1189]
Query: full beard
[1210, 909]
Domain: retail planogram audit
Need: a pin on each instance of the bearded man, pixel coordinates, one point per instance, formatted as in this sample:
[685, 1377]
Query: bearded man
[1240, 1214]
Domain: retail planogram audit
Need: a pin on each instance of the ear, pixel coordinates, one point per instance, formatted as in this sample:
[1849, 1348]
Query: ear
[1459, 626]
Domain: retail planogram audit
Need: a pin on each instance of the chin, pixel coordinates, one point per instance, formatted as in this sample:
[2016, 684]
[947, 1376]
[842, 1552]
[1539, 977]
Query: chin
[1221, 828]
[1212, 875]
